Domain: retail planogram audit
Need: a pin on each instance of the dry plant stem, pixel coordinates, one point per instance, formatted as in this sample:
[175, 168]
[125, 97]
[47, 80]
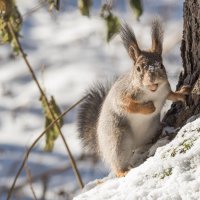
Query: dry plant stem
[29, 177]
[34, 9]
[35, 142]
[72, 161]
[41, 176]
[49, 173]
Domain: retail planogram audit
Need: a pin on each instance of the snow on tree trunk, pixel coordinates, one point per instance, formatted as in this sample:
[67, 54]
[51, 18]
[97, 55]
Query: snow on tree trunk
[190, 52]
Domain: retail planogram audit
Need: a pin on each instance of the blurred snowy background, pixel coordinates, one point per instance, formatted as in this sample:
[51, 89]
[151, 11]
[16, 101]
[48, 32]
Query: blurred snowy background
[68, 52]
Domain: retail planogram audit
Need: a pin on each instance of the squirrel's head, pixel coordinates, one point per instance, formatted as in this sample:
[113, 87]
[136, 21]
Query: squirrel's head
[148, 68]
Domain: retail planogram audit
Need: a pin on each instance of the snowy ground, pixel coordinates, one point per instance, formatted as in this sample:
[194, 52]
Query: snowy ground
[172, 173]
[68, 53]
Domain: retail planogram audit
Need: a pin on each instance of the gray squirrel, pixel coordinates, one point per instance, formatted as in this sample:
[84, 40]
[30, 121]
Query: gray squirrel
[116, 119]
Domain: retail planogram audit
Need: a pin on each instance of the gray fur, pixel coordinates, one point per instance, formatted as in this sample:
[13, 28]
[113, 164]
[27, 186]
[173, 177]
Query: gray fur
[120, 133]
[106, 127]
[157, 36]
[130, 42]
[89, 113]
[128, 36]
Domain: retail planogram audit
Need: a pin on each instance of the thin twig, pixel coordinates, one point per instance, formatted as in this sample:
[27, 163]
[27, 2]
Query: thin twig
[72, 161]
[48, 173]
[51, 172]
[36, 141]
[45, 183]
[29, 177]
[34, 9]
[71, 158]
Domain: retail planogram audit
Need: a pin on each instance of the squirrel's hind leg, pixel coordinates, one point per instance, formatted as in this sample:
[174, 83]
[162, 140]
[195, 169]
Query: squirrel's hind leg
[120, 174]
[116, 147]
[121, 159]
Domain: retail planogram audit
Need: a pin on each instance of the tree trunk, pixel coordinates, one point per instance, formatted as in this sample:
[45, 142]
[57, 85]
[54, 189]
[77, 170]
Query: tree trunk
[190, 53]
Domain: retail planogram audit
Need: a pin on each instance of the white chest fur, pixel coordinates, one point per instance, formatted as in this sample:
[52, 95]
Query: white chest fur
[145, 126]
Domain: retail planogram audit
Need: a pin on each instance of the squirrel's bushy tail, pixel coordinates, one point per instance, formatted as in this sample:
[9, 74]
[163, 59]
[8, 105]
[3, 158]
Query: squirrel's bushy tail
[88, 115]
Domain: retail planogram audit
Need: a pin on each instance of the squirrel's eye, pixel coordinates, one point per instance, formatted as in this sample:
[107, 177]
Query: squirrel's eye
[161, 66]
[138, 69]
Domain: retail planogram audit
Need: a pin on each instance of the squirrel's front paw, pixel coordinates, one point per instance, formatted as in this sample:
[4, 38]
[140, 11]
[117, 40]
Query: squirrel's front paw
[185, 89]
[148, 108]
[181, 97]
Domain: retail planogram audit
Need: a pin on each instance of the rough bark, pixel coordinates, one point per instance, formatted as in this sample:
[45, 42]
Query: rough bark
[190, 53]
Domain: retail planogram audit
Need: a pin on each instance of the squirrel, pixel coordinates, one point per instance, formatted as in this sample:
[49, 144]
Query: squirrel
[115, 119]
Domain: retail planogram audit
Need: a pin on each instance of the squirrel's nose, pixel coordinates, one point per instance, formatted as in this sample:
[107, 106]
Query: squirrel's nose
[152, 77]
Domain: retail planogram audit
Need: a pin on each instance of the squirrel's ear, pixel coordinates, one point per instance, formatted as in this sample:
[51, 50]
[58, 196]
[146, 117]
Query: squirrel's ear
[134, 52]
[130, 42]
[157, 37]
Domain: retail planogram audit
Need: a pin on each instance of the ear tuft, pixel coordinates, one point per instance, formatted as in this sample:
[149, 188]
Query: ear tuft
[157, 36]
[130, 42]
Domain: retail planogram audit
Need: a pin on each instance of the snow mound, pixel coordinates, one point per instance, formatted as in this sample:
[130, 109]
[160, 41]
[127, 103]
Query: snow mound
[172, 173]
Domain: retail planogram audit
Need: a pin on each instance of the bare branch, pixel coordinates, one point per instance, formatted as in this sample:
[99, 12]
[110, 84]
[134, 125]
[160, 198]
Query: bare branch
[35, 9]
[42, 175]
[72, 161]
[36, 141]
[29, 177]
